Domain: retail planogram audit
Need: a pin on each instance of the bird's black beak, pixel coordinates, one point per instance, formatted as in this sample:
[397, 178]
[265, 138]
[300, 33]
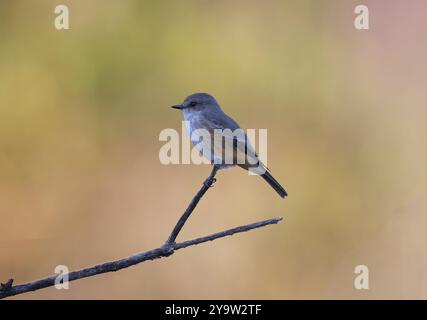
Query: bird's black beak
[178, 106]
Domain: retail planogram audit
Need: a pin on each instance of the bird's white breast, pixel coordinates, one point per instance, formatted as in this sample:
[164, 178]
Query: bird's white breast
[199, 135]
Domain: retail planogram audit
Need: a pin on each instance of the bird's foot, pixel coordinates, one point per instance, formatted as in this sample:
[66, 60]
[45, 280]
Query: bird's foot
[209, 182]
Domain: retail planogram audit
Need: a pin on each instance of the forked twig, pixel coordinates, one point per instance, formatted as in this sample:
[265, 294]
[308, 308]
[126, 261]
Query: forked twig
[170, 246]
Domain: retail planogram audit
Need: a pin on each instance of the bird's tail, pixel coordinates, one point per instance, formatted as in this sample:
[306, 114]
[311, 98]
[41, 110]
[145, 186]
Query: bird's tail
[274, 184]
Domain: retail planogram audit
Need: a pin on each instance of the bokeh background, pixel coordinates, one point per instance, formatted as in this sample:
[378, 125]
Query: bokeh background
[81, 112]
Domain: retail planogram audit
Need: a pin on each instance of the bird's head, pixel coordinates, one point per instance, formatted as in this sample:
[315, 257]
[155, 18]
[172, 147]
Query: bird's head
[197, 102]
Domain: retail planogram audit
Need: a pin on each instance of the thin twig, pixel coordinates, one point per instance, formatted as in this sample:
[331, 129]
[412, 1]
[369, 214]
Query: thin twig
[205, 187]
[7, 289]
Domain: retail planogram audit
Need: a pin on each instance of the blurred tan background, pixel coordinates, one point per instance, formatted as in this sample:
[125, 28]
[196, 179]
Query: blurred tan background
[81, 111]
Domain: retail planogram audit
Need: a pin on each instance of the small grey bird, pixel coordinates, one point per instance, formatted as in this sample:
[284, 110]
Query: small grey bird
[202, 111]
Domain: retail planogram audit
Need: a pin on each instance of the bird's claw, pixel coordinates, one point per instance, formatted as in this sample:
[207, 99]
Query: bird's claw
[209, 182]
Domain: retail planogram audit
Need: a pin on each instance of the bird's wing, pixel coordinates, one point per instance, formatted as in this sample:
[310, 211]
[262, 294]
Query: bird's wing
[239, 142]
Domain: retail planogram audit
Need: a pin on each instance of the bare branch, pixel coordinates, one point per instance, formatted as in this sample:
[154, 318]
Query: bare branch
[205, 187]
[226, 233]
[7, 289]
[164, 251]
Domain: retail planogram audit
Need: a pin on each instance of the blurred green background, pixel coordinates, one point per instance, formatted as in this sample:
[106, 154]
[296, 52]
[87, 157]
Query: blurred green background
[81, 111]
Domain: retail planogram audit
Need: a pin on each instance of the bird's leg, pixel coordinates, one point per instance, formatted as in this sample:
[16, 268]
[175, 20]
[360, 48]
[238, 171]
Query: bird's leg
[211, 179]
[209, 182]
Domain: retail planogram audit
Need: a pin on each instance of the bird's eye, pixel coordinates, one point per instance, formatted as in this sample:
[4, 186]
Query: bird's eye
[193, 103]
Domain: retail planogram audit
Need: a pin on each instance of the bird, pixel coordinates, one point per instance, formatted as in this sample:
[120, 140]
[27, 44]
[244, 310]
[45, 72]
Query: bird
[201, 111]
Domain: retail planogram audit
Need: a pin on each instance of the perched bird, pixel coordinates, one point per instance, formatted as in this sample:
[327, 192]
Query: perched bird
[202, 112]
